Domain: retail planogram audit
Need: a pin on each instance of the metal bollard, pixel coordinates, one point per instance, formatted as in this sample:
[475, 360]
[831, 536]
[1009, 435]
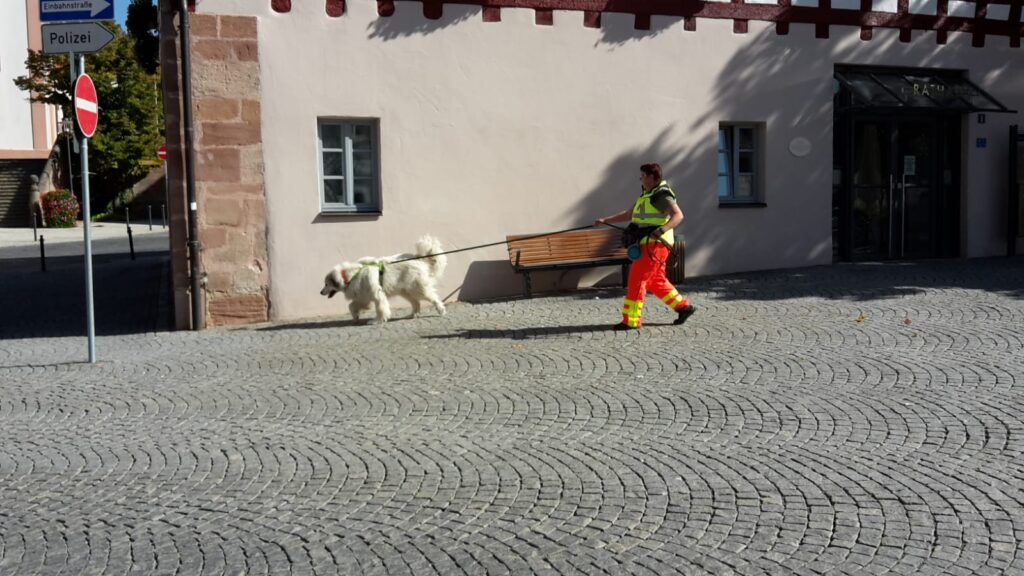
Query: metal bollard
[149, 208]
[42, 253]
[163, 214]
[35, 236]
[127, 221]
[131, 243]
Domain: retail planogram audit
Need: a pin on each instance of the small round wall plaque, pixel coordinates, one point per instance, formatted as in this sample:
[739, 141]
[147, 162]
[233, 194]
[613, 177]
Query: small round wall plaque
[800, 147]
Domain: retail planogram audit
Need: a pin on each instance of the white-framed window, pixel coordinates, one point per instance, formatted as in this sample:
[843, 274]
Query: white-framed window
[739, 163]
[349, 168]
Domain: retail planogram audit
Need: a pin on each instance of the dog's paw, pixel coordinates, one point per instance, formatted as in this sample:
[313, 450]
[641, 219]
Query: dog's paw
[442, 310]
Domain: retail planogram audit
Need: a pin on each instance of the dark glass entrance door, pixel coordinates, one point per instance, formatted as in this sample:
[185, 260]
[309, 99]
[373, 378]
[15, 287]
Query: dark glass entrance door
[894, 192]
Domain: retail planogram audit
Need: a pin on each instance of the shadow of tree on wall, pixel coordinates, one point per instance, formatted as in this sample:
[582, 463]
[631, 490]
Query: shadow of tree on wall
[757, 73]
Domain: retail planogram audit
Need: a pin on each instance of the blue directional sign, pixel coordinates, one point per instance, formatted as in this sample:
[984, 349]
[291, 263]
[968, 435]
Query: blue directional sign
[75, 10]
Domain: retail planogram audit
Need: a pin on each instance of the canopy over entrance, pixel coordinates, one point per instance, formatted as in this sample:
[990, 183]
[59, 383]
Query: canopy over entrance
[903, 89]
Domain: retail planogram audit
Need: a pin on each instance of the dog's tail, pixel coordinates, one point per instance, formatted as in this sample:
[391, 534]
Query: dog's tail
[428, 245]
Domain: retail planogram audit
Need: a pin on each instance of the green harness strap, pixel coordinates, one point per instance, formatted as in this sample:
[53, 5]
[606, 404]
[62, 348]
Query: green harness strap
[379, 265]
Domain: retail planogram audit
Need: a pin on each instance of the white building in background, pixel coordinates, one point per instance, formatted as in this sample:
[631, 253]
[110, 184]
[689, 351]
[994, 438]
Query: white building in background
[27, 130]
[794, 133]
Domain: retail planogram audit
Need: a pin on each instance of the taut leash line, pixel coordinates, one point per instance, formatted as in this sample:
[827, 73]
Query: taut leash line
[501, 242]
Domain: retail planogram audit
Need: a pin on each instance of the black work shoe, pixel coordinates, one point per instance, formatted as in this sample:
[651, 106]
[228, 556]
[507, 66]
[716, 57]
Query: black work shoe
[620, 326]
[684, 314]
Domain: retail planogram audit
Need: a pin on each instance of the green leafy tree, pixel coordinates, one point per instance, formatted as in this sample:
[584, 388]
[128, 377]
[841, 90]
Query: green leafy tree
[129, 131]
[143, 25]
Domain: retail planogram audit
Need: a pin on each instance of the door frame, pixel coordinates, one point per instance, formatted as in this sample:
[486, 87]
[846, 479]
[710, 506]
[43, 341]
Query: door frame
[945, 130]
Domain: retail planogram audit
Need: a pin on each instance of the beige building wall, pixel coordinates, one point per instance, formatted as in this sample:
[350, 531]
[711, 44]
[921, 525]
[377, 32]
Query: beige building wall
[496, 128]
[27, 130]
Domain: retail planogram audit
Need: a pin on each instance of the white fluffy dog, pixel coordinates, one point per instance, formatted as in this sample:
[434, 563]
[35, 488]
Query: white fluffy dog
[372, 280]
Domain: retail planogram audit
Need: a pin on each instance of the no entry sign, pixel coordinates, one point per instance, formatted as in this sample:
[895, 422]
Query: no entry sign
[86, 105]
[161, 152]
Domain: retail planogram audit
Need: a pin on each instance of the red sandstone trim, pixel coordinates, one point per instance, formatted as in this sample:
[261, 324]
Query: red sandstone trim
[782, 14]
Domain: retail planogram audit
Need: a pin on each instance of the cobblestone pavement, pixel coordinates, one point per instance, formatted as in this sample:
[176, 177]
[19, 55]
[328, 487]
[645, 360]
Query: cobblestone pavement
[855, 419]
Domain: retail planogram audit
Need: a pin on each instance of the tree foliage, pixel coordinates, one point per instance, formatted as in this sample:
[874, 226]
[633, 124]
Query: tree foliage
[143, 25]
[131, 122]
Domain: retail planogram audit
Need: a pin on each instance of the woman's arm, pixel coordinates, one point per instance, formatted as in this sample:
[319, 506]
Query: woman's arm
[617, 217]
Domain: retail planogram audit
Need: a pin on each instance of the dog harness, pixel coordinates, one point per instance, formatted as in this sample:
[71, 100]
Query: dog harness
[347, 280]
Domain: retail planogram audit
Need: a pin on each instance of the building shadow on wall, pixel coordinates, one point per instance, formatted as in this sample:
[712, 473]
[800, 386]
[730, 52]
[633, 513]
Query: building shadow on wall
[621, 29]
[409, 19]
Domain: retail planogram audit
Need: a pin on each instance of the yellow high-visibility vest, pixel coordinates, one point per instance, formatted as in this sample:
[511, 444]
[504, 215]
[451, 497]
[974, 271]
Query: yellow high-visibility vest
[645, 214]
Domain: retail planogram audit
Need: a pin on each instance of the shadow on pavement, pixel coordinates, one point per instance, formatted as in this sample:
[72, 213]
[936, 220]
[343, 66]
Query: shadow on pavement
[129, 296]
[855, 282]
[522, 333]
[867, 281]
[311, 325]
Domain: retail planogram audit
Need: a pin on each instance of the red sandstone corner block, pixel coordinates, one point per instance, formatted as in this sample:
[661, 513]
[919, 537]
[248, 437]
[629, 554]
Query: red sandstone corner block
[219, 165]
[222, 212]
[245, 50]
[235, 190]
[217, 109]
[238, 27]
[251, 111]
[255, 211]
[214, 237]
[218, 281]
[202, 26]
[210, 49]
[234, 310]
[230, 134]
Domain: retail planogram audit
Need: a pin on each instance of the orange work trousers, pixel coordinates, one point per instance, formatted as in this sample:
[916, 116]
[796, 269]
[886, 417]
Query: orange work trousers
[648, 273]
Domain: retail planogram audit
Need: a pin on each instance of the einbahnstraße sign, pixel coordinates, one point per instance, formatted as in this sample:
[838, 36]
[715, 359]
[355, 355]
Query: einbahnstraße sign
[75, 10]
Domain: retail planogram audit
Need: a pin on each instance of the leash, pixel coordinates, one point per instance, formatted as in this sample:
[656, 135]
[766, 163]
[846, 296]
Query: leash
[502, 242]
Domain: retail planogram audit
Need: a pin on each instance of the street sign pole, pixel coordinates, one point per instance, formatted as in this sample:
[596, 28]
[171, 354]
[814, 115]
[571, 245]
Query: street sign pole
[86, 218]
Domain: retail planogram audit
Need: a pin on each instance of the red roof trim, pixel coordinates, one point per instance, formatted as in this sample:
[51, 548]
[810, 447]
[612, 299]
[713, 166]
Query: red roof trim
[783, 14]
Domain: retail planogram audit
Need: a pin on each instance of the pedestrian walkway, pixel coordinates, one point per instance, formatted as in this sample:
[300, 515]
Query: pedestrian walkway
[851, 419]
[98, 230]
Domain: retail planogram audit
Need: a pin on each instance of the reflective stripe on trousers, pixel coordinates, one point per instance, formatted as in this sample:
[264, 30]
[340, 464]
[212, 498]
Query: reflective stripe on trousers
[648, 273]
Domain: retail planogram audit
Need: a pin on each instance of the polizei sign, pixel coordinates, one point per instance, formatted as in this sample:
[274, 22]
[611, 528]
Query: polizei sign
[77, 37]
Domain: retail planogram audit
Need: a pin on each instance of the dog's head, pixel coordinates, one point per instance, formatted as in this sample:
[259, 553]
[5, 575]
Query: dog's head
[335, 281]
